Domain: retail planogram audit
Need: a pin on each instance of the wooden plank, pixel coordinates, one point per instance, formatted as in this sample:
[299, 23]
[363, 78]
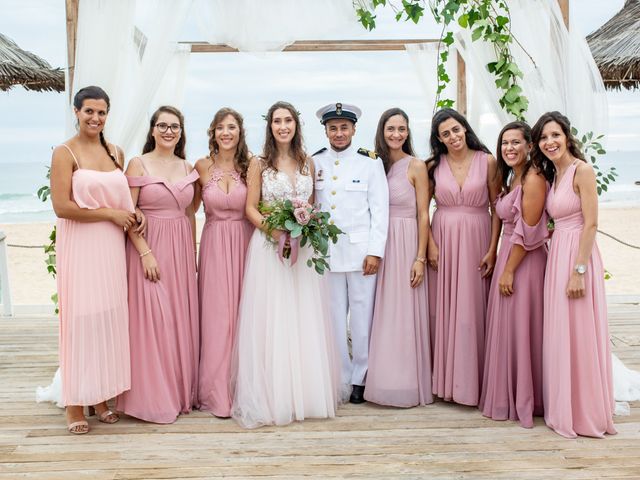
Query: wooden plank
[442, 440]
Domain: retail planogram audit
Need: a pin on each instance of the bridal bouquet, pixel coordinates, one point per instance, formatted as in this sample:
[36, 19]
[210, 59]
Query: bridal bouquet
[304, 223]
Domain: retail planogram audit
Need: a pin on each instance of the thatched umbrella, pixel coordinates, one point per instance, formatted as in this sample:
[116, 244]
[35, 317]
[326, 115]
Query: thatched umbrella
[616, 48]
[19, 67]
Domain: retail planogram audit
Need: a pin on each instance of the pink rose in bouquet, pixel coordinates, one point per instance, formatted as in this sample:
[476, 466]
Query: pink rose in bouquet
[302, 215]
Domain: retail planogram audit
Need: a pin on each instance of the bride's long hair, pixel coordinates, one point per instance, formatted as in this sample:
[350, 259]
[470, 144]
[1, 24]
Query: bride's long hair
[270, 151]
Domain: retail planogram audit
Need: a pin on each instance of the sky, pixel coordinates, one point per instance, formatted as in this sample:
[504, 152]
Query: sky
[31, 123]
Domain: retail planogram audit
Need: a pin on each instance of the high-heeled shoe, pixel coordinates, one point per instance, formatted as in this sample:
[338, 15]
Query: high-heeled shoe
[79, 427]
[105, 417]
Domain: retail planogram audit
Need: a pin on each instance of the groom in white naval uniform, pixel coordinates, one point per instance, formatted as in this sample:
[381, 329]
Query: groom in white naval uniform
[351, 184]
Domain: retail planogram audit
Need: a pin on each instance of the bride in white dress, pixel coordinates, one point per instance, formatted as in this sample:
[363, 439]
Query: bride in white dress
[286, 366]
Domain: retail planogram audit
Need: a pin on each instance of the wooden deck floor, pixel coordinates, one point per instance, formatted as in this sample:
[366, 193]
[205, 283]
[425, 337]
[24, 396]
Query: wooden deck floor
[437, 441]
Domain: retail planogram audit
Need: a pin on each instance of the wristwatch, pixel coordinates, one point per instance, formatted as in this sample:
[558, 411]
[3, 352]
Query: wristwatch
[580, 269]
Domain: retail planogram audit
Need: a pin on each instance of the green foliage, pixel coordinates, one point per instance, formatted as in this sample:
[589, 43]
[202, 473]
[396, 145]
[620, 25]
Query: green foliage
[591, 147]
[488, 20]
[318, 232]
[50, 250]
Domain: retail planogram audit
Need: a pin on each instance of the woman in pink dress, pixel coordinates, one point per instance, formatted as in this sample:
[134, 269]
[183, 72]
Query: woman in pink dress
[576, 357]
[91, 200]
[163, 292]
[223, 247]
[461, 253]
[399, 360]
[512, 383]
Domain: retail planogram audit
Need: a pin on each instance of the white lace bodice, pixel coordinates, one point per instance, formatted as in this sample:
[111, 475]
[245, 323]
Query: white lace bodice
[277, 185]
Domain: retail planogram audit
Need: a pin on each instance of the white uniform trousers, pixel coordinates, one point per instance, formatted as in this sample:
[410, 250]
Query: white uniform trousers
[352, 293]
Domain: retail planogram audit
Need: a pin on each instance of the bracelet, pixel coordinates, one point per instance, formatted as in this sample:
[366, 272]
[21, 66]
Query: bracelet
[145, 253]
[421, 260]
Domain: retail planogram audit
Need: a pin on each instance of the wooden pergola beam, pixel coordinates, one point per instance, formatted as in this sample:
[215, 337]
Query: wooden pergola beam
[319, 46]
[71, 7]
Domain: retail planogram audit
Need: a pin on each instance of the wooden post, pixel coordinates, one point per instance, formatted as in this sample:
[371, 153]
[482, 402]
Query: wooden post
[461, 102]
[7, 308]
[72, 30]
[564, 8]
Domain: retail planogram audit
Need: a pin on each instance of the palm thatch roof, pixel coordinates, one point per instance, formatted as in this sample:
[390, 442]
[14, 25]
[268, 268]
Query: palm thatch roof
[616, 48]
[19, 67]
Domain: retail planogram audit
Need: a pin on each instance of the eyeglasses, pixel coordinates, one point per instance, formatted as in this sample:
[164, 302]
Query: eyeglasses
[163, 127]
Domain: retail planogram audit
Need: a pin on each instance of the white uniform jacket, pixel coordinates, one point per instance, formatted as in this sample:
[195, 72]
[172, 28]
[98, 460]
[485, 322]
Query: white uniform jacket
[352, 187]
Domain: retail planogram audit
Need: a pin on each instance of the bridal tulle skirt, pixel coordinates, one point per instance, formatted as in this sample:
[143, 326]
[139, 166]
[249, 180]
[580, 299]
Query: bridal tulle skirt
[285, 362]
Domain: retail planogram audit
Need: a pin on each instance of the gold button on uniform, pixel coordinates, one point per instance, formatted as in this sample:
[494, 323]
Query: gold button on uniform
[334, 177]
[333, 192]
[337, 162]
[333, 207]
[331, 222]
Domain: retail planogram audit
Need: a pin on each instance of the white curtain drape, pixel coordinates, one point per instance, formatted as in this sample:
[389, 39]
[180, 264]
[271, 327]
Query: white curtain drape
[271, 25]
[424, 58]
[559, 72]
[125, 47]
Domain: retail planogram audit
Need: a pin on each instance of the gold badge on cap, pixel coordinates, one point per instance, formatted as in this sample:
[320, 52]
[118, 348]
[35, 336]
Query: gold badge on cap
[338, 109]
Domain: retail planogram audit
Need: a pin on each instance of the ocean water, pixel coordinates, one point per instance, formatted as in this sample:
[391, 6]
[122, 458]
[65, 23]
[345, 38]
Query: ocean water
[19, 182]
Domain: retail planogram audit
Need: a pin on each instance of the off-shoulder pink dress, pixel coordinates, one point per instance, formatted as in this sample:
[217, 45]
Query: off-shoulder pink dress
[163, 315]
[92, 292]
[461, 228]
[399, 371]
[223, 248]
[512, 384]
[576, 356]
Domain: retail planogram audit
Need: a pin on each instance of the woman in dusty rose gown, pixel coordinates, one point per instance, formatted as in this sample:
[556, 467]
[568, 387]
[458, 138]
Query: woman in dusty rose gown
[223, 247]
[576, 356]
[399, 360]
[461, 253]
[91, 200]
[512, 383]
[163, 292]
[285, 365]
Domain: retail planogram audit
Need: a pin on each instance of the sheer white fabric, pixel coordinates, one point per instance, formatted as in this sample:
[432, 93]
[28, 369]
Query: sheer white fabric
[424, 58]
[125, 47]
[559, 71]
[271, 25]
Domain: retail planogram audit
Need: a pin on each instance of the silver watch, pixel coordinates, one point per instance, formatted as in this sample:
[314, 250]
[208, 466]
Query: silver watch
[580, 269]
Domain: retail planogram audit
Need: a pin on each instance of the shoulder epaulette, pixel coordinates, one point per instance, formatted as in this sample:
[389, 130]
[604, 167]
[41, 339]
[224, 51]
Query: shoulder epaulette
[320, 151]
[368, 153]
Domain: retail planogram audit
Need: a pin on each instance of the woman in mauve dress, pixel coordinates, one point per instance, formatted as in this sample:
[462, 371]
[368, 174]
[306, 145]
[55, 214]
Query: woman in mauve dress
[399, 371]
[90, 197]
[163, 292]
[223, 248]
[512, 384]
[461, 253]
[577, 383]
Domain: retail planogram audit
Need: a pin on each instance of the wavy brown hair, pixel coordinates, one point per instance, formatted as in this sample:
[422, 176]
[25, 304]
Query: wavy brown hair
[241, 157]
[504, 170]
[381, 146]
[547, 166]
[96, 93]
[150, 144]
[438, 148]
[270, 150]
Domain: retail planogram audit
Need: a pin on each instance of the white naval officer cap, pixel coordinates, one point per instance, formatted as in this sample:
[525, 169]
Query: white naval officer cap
[338, 110]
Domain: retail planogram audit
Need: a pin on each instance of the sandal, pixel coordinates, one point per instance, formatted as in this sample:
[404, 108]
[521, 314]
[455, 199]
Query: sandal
[78, 428]
[106, 416]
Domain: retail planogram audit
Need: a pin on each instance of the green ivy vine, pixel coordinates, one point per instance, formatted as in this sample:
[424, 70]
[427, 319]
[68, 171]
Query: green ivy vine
[488, 20]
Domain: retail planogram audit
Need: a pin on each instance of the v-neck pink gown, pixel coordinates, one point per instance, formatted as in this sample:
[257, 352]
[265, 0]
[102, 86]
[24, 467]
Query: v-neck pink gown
[399, 371]
[576, 355]
[461, 228]
[223, 248]
[163, 324]
[512, 384]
